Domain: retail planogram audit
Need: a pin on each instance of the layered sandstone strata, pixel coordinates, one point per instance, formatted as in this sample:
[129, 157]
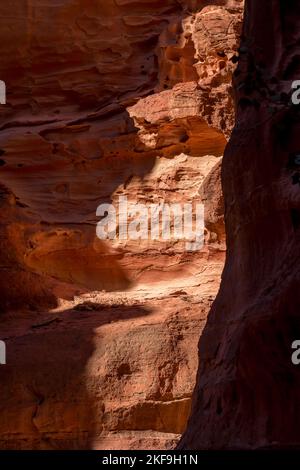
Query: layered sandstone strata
[107, 99]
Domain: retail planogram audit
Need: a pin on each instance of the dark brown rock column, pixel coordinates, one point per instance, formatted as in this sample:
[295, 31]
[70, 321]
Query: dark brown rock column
[247, 387]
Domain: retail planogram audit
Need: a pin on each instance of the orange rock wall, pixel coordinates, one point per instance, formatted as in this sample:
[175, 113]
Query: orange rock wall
[106, 99]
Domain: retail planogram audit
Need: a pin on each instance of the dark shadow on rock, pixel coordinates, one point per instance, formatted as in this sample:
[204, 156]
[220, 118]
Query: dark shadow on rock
[49, 397]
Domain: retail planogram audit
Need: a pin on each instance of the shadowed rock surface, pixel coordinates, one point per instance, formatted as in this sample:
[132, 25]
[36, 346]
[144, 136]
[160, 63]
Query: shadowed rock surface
[247, 387]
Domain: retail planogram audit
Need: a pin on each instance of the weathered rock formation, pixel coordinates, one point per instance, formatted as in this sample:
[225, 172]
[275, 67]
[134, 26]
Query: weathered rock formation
[107, 99]
[247, 387]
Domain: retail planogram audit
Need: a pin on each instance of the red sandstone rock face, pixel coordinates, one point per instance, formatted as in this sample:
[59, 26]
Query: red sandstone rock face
[69, 132]
[107, 99]
[111, 373]
[247, 387]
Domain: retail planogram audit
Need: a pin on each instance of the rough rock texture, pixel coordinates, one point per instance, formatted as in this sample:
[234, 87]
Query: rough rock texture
[247, 387]
[107, 373]
[76, 130]
[107, 99]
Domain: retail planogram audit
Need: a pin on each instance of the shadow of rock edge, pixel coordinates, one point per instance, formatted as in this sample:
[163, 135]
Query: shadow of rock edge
[49, 399]
[99, 376]
[247, 389]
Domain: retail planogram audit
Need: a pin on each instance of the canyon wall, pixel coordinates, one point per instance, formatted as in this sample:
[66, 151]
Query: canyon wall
[107, 99]
[247, 387]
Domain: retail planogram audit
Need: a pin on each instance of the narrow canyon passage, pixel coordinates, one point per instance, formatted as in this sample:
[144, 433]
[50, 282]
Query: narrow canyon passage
[107, 100]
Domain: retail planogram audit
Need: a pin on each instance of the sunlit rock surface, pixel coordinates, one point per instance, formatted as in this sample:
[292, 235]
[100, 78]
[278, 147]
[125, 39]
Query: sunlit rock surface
[107, 99]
